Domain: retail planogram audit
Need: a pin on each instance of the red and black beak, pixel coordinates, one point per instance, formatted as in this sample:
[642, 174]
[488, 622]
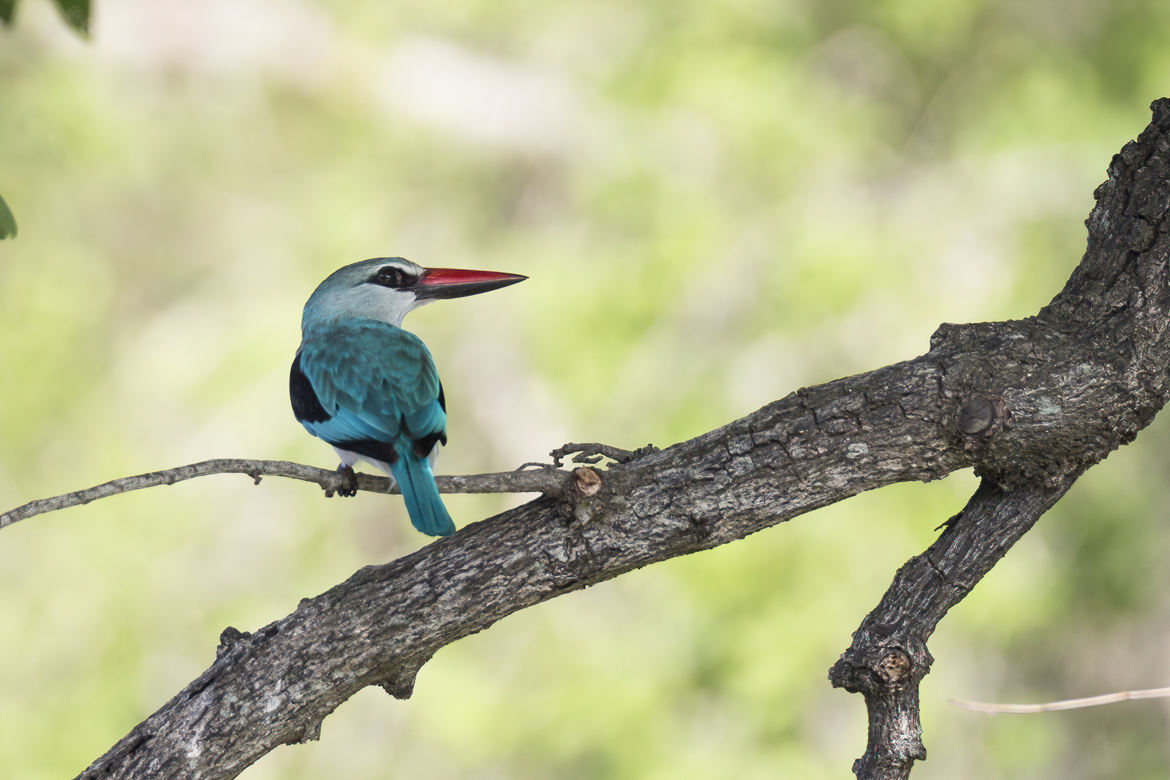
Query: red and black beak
[438, 283]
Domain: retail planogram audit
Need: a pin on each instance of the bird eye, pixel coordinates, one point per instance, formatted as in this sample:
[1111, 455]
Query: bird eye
[391, 276]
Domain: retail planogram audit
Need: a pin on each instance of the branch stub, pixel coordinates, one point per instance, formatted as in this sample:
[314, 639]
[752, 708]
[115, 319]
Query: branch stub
[978, 415]
[894, 666]
[588, 480]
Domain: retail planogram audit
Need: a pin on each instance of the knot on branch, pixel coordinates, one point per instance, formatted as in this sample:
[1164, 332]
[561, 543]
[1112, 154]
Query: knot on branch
[310, 733]
[880, 670]
[943, 333]
[980, 415]
[894, 666]
[888, 676]
[229, 639]
[400, 682]
[587, 480]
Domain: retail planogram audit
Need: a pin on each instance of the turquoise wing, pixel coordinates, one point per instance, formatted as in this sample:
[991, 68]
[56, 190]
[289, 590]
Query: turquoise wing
[373, 382]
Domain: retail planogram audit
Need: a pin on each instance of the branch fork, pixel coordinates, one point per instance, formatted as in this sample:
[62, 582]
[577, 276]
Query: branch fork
[1028, 404]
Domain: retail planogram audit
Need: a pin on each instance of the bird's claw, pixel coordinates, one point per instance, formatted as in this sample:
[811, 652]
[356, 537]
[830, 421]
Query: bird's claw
[349, 487]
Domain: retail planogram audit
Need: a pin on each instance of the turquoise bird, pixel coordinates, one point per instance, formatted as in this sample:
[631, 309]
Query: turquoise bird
[369, 388]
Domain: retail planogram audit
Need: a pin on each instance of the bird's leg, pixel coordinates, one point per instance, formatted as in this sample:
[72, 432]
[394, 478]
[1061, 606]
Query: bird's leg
[349, 488]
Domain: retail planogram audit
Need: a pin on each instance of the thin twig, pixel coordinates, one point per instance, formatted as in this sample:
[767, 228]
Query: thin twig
[547, 480]
[1065, 704]
[592, 452]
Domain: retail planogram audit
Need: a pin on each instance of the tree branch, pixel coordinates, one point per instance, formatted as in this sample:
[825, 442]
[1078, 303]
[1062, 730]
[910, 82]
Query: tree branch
[1109, 326]
[1030, 404]
[888, 657]
[539, 480]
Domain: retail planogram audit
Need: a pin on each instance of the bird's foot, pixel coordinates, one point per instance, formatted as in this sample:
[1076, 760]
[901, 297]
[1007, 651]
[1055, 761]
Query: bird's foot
[348, 486]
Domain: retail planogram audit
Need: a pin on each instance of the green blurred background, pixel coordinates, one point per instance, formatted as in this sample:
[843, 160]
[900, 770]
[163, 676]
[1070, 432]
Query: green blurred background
[716, 204]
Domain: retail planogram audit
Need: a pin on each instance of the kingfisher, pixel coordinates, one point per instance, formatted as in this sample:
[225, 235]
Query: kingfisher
[369, 388]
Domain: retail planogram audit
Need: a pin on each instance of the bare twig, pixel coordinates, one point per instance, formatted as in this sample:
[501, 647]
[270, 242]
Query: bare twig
[547, 480]
[992, 708]
[591, 453]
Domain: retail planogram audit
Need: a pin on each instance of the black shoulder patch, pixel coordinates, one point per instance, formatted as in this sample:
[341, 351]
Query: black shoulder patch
[306, 406]
[422, 447]
[369, 448]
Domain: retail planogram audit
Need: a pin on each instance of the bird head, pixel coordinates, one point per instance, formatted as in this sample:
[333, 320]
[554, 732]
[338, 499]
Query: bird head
[389, 288]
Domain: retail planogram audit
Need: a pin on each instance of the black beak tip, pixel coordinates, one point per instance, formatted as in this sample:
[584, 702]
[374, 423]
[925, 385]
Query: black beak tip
[501, 283]
[464, 289]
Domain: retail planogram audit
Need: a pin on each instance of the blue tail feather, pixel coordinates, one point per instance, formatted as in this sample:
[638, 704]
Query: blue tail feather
[426, 509]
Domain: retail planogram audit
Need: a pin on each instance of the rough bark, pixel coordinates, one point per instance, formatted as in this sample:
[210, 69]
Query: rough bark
[1030, 404]
[1040, 401]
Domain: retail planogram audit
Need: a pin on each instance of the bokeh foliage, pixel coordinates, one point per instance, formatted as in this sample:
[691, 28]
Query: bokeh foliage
[716, 204]
[7, 221]
[74, 12]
